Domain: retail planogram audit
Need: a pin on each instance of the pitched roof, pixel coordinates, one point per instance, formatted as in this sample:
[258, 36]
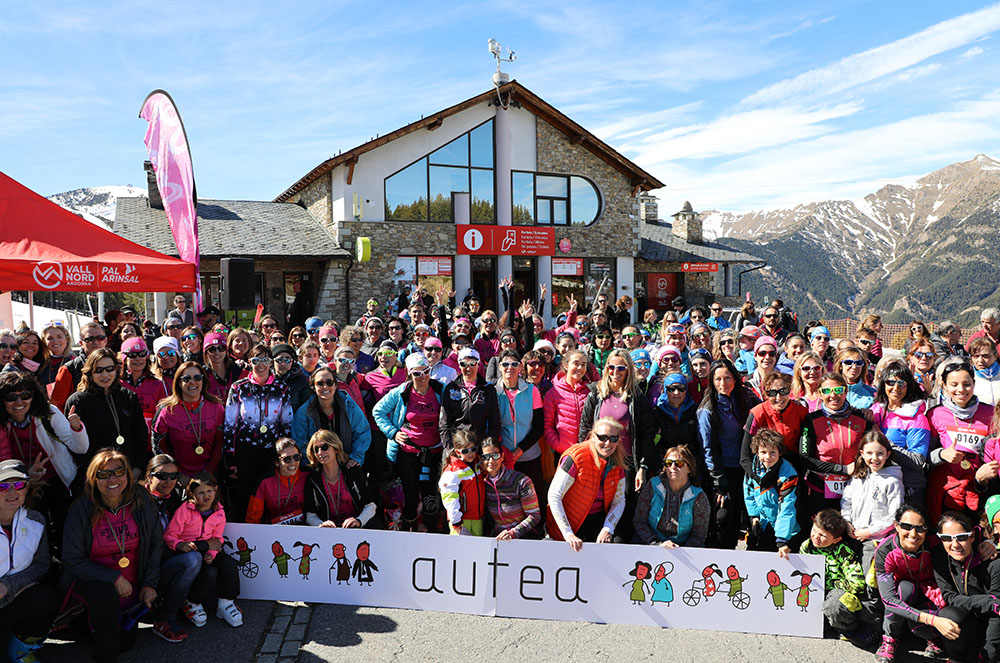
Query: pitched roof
[228, 228]
[660, 244]
[518, 94]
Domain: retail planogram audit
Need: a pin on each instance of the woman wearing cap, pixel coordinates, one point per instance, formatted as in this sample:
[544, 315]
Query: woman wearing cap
[701, 363]
[587, 493]
[328, 342]
[765, 352]
[258, 413]
[853, 365]
[112, 414]
[408, 416]
[960, 426]
[548, 353]
[336, 493]
[37, 434]
[899, 411]
[806, 378]
[27, 606]
[288, 372]
[668, 360]
[721, 416]
[137, 377]
[189, 424]
[111, 551]
[440, 371]
[223, 372]
[166, 358]
[32, 356]
[675, 335]
[643, 365]
[469, 402]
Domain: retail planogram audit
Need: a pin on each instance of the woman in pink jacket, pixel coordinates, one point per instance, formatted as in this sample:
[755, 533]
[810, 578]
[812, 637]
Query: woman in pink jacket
[564, 408]
[195, 522]
[139, 379]
[189, 423]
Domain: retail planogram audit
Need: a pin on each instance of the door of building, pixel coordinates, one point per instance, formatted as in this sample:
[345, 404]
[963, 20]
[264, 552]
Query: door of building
[484, 281]
[661, 288]
[525, 282]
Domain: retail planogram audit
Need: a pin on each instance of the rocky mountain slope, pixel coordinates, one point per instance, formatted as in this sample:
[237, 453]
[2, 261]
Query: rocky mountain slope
[928, 250]
[97, 203]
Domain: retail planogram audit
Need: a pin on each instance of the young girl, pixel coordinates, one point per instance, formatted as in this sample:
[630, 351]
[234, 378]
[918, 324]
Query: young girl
[873, 494]
[463, 487]
[196, 521]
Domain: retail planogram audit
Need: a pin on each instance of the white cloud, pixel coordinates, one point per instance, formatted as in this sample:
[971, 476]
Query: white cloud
[882, 60]
[918, 72]
[972, 52]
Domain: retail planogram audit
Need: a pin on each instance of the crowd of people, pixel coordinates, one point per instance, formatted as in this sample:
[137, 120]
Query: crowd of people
[121, 464]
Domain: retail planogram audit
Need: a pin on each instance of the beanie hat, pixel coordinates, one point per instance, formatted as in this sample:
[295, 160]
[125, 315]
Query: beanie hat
[214, 338]
[166, 342]
[762, 341]
[282, 347]
[415, 360]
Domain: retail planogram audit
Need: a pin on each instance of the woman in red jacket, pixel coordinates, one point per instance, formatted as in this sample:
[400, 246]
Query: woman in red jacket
[587, 494]
[280, 498]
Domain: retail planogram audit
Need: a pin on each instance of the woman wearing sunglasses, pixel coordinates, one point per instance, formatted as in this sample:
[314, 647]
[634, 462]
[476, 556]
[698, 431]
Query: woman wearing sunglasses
[511, 498]
[828, 448]
[968, 587]
[601, 346]
[408, 416]
[345, 363]
[779, 413]
[280, 498]
[677, 421]
[922, 358]
[31, 356]
[112, 547]
[522, 420]
[918, 331]
[819, 342]
[223, 371]
[189, 423]
[166, 358]
[192, 341]
[336, 493]
[137, 377]
[907, 586]
[258, 414]
[960, 426]
[806, 378]
[332, 409]
[617, 396]
[469, 402]
[111, 414]
[27, 606]
[900, 412]
[672, 511]
[853, 365]
[587, 493]
[765, 352]
[508, 342]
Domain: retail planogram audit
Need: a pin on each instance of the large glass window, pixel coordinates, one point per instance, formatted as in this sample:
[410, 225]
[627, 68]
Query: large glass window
[599, 278]
[546, 199]
[423, 190]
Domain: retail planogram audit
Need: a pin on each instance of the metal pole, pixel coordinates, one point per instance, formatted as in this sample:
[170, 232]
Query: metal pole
[31, 310]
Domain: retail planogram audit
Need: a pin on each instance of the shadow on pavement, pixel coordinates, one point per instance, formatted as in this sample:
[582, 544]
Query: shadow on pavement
[342, 626]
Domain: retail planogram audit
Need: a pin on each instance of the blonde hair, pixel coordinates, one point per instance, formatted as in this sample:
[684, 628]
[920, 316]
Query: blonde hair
[326, 437]
[604, 384]
[798, 387]
[617, 458]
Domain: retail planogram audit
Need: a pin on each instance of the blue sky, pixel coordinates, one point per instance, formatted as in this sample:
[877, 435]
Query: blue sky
[734, 105]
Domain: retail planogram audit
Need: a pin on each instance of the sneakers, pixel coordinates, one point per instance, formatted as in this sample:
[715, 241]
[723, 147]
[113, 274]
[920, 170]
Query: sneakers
[887, 651]
[163, 630]
[195, 613]
[933, 650]
[229, 613]
[863, 637]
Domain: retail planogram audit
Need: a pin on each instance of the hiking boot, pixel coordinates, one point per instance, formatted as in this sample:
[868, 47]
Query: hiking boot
[863, 636]
[169, 634]
[933, 650]
[887, 651]
[195, 613]
[229, 613]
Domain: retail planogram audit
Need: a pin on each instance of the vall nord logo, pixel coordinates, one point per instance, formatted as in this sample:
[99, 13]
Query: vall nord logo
[48, 274]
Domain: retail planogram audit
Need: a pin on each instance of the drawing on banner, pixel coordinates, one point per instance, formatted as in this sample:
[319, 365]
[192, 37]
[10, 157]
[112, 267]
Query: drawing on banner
[639, 586]
[341, 564]
[803, 598]
[305, 561]
[363, 566]
[663, 591]
[247, 566]
[280, 559]
[736, 594]
[776, 589]
[703, 586]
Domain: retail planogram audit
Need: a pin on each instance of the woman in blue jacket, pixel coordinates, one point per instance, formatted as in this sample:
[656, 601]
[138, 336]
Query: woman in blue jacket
[332, 409]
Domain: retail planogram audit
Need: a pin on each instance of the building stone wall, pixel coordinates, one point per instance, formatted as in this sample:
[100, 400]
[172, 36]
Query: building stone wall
[616, 231]
[318, 199]
[688, 226]
[698, 287]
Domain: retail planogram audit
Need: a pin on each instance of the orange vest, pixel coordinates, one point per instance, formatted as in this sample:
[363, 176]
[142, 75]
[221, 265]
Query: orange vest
[580, 496]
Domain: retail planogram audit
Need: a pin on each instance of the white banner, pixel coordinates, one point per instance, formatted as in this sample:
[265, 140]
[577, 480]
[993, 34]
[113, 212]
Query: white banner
[696, 588]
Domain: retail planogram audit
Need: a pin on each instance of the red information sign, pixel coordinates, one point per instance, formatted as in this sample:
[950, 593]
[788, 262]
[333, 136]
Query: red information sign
[699, 266]
[506, 240]
[567, 267]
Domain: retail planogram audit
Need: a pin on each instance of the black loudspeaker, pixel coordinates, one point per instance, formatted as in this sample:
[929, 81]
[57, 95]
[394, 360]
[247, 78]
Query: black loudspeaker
[236, 291]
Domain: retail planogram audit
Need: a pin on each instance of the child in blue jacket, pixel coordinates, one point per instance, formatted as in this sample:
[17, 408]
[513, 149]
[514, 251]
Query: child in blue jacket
[771, 510]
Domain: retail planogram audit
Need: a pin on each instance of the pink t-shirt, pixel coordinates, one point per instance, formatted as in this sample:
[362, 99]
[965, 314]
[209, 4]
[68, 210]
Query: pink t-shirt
[339, 498]
[105, 548]
[422, 419]
[617, 409]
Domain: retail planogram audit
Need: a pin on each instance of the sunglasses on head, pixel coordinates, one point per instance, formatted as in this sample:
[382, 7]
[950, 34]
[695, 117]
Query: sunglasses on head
[107, 474]
[294, 458]
[906, 527]
[103, 369]
[826, 391]
[783, 391]
[137, 354]
[166, 476]
[20, 484]
[188, 378]
[17, 396]
[668, 462]
[324, 383]
[493, 455]
[961, 537]
[420, 372]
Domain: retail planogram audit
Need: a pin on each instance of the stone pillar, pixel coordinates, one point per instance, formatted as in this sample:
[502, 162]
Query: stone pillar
[159, 307]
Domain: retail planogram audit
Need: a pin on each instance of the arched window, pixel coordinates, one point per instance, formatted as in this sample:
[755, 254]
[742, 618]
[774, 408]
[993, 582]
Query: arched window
[550, 199]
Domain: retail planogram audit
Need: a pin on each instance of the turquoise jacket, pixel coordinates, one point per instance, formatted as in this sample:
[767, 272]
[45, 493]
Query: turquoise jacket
[775, 506]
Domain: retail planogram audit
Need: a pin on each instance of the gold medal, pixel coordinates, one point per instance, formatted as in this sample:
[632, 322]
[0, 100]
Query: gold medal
[966, 464]
[263, 428]
[199, 450]
[119, 440]
[123, 563]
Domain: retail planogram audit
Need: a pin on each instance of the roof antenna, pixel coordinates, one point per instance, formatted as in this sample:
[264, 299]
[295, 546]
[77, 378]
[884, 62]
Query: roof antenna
[499, 77]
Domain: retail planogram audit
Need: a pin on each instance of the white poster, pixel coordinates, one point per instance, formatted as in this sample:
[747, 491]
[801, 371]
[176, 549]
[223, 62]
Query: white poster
[616, 584]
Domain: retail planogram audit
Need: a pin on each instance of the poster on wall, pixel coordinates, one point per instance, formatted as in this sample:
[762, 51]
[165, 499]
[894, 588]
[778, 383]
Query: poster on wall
[695, 588]
[434, 266]
[567, 267]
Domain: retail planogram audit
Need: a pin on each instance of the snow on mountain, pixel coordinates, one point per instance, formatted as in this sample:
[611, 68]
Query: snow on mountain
[96, 204]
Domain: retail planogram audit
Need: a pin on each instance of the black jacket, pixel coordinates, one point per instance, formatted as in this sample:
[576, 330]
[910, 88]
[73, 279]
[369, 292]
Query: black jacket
[78, 538]
[972, 585]
[675, 430]
[478, 411]
[316, 500]
[298, 385]
[642, 429]
[96, 416]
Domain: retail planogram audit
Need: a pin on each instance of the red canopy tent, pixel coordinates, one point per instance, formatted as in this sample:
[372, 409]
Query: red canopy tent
[46, 247]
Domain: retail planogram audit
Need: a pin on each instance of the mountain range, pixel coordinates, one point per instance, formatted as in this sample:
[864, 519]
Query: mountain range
[97, 203]
[926, 251]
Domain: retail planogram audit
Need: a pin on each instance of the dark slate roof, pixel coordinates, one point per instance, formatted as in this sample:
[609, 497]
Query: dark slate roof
[232, 228]
[660, 244]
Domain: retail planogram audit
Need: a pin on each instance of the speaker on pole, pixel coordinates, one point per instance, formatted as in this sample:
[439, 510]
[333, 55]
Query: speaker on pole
[236, 290]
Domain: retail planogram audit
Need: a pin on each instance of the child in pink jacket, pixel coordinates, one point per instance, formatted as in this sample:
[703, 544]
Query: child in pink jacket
[195, 522]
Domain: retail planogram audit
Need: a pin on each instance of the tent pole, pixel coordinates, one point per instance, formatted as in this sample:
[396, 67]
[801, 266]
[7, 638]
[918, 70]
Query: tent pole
[31, 310]
[100, 306]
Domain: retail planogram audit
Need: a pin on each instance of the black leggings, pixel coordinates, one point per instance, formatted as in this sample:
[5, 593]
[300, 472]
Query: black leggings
[592, 526]
[418, 473]
[102, 610]
[965, 648]
[730, 516]
[31, 612]
[218, 580]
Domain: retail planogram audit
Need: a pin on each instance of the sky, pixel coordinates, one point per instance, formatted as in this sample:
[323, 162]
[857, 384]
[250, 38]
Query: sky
[735, 106]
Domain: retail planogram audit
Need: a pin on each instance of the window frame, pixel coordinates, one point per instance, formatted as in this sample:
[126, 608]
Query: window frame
[551, 200]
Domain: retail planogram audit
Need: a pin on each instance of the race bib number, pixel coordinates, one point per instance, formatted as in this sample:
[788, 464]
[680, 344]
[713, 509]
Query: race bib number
[833, 485]
[968, 439]
[293, 518]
